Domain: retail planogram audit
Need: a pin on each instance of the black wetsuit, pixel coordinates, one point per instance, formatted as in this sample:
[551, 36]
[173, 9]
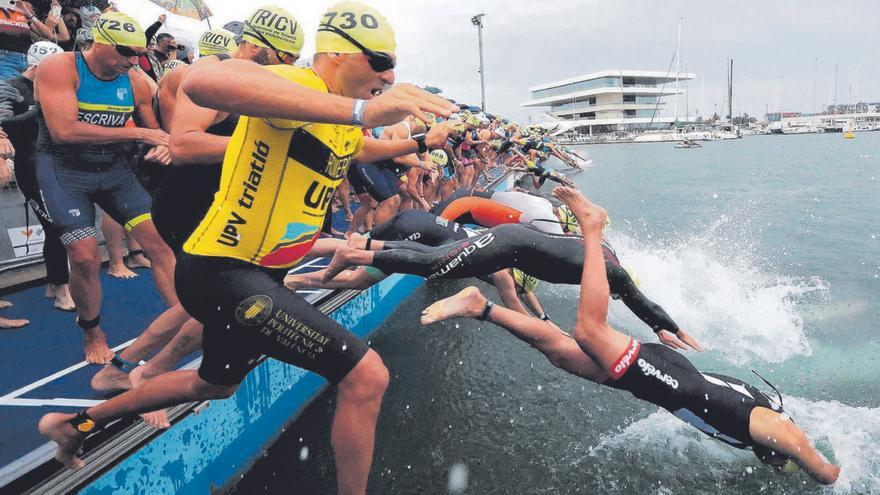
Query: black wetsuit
[419, 226]
[23, 131]
[557, 259]
[717, 405]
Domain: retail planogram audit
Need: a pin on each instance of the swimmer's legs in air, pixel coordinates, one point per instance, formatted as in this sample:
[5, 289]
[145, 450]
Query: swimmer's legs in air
[559, 348]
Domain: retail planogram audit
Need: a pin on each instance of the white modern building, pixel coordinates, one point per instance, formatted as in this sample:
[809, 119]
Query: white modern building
[611, 100]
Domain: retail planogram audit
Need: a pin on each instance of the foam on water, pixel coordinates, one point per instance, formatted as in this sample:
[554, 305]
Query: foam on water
[725, 296]
[846, 435]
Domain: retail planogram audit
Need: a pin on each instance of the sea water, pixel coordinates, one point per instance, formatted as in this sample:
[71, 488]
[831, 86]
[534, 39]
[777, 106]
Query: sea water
[765, 249]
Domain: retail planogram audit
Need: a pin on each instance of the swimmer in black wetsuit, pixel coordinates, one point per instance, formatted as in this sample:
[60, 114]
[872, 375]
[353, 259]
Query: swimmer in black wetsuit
[424, 229]
[552, 258]
[724, 408]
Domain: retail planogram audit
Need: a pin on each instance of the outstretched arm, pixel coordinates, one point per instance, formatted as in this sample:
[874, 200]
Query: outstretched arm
[777, 432]
[257, 92]
[647, 310]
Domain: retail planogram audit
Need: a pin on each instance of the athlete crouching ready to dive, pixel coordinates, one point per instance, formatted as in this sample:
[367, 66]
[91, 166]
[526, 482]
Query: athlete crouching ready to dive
[299, 130]
[724, 408]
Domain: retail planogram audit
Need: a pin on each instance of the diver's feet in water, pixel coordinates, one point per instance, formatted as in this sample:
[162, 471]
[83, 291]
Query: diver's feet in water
[587, 213]
[469, 303]
[139, 376]
[119, 270]
[341, 260]
[110, 379]
[57, 428]
[7, 324]
[95, 346]
[137, 259]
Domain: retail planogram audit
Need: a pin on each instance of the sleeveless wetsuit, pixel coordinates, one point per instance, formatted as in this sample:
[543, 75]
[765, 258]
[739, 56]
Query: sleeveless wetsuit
[277, 183]
[719, 406]
[75, 177]
[552, 258]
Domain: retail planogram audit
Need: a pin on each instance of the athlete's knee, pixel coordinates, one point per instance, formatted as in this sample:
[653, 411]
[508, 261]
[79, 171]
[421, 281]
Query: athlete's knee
[213, 391]
[151, 242]
[367, 381]
[84, 255]
[586, 332]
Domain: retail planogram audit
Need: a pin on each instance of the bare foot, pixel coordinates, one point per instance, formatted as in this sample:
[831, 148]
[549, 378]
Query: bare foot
[587, 213]
[340, 261]
[56, 427]
[156, 419]
[138, 261]
[7, 324]
[356, 240]
[95, 346]
[51, 290]
[5, 304]
[64, 302]
[120, 271]
[467, 303]
[293, 282]
[349, 216]
[110, 379]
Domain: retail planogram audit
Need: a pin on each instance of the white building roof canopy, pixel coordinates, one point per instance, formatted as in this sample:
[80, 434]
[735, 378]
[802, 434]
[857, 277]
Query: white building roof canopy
[661, 76]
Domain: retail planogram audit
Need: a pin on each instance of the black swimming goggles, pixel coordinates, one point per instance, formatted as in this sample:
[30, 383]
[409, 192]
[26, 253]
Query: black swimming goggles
[378, 61]
[282, 55]
[127, 52]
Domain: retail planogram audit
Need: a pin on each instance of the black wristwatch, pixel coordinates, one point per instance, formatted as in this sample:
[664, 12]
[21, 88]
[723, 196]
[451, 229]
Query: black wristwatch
[420, 140]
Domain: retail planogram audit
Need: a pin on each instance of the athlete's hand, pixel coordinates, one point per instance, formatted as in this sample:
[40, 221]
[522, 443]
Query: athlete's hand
[160, 155]
[6, 148]
[438, 135]
[153, 137]
[5, 173]
[401, 101]
[682, 340]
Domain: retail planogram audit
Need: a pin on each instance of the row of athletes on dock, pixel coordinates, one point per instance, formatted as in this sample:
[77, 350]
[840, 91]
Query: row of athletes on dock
[253, 150]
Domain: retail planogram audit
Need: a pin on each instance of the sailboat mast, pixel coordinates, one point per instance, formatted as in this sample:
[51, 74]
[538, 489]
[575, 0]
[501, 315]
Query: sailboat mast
[677, 66]
[835, 89]
[730, 92]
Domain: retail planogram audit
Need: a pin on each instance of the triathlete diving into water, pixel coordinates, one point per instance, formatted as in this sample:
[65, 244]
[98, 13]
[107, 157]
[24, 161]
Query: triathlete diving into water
[722, 407]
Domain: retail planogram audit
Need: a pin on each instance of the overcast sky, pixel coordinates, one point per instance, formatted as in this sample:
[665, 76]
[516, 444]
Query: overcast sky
[784, 51]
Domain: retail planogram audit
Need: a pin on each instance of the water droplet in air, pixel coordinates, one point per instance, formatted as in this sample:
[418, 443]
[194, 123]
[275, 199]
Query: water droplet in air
[458, 478]
[303, 454]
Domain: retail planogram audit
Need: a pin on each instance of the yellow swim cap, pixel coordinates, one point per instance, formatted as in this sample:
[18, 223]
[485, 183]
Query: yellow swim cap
[363, 23]
[274, 26]
[216, 41]
[119, 29]
[439, 157]
[527, 282]
[569, 222]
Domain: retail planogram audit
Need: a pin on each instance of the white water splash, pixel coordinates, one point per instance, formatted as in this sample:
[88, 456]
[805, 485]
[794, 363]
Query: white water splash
[729, 303]
[846, 435]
